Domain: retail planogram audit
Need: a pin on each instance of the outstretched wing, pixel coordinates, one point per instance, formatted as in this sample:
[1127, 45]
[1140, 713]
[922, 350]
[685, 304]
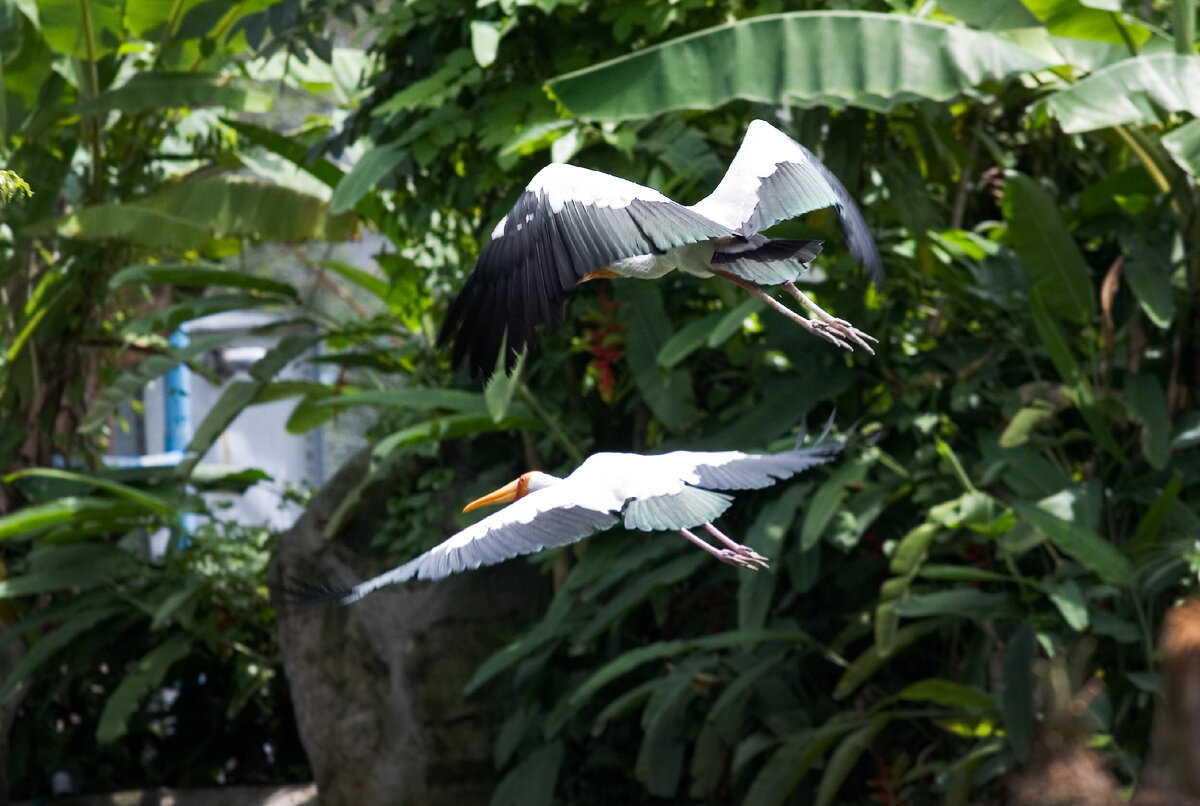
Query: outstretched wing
[734, 470]
[550, 517]
[568, 223]
[773, 178]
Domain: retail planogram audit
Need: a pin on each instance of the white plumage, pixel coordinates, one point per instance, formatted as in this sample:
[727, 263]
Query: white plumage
[671, 491]
[572, 224]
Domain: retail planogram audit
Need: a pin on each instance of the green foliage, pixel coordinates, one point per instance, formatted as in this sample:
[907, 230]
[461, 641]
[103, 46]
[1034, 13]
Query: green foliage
[1015, 503]
[1017, 500]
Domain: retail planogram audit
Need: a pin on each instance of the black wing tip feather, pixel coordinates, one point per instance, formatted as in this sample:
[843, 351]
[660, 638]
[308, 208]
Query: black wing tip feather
[294, 592]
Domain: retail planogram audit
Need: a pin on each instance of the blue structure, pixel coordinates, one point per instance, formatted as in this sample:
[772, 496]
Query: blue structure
[179, 424]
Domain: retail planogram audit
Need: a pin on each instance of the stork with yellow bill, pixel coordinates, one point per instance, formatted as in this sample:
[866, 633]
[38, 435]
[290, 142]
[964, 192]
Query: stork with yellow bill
[675, 491]
[572, 224]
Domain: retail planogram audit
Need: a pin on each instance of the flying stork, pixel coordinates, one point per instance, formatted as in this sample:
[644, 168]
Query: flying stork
[573, 224]
[670, 491]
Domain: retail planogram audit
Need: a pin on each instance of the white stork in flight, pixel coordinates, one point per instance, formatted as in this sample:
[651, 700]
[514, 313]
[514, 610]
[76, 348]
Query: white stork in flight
[572, 224]
[671, 491]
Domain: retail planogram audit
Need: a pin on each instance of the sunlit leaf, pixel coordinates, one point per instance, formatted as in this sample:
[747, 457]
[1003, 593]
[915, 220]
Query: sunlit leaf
[1131, 91]
[834, 58]
[1080, 543]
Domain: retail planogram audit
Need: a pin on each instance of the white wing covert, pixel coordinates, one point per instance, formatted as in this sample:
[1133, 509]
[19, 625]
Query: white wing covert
[773, 178]
[733, 470]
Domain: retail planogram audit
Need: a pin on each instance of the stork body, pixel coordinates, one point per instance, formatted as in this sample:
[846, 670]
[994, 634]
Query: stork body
[669, 492]
[572, 224]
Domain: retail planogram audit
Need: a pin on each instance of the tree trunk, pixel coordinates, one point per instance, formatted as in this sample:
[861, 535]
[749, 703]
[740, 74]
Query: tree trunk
[378, 685]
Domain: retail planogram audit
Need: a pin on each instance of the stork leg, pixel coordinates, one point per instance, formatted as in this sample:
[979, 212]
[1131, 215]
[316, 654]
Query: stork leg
[730, 556]
[843, 328]
[745, 551]
[814, 326]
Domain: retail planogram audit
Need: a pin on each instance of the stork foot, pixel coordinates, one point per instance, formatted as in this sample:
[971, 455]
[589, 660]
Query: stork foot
[836, 331]
[840, 329]
[733, 557]
[736, 554]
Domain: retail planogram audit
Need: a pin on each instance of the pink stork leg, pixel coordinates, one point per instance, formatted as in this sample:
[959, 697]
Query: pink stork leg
[835, 331]
[740, 556]
[843, 328]
[736, 547]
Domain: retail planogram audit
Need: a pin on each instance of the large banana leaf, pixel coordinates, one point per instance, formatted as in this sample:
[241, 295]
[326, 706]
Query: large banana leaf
[173, 90]
[836, 58]
[187, 215]
[1131, 91]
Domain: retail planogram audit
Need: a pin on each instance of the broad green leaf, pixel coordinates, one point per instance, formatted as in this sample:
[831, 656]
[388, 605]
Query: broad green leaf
[528, 643]
[1149, 528]
[145, 91]
[439, 428]
[1183, 144]
[994, 15]
[725, 714]
[485, 40]
[788, 765]
[667, 393]
[235, 206]
[665, 649]
[687, 340]
[187, 215]
[142, 499]
[660, 757]
[376, 285]
[624, 704]
[871, 660]
[948, 693]
[732, 321]
[887, 626]
[766, 536]
[1069, 600]
[499, 391]
[147, 676]
[1148, 404]
[1016, 698]
[188, 274]
[61, 510]
[532, 782]
[912, 549]
[972, 508]
[232, 402]
[138, 222]
[50, 643]
[1080, 543]
[366, 174]
[1150, 281]
[82, 30]
[844, 758]
[1040, 236]
[957, 602]
[1016, 433]
[828, 499]
[414, 398]
[1133, 91]
[287, 350]
[1089, 19]
[639, 588]
[961, 573]
[834, 58]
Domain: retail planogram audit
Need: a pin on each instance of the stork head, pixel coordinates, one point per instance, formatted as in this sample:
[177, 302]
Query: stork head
[519, 487]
